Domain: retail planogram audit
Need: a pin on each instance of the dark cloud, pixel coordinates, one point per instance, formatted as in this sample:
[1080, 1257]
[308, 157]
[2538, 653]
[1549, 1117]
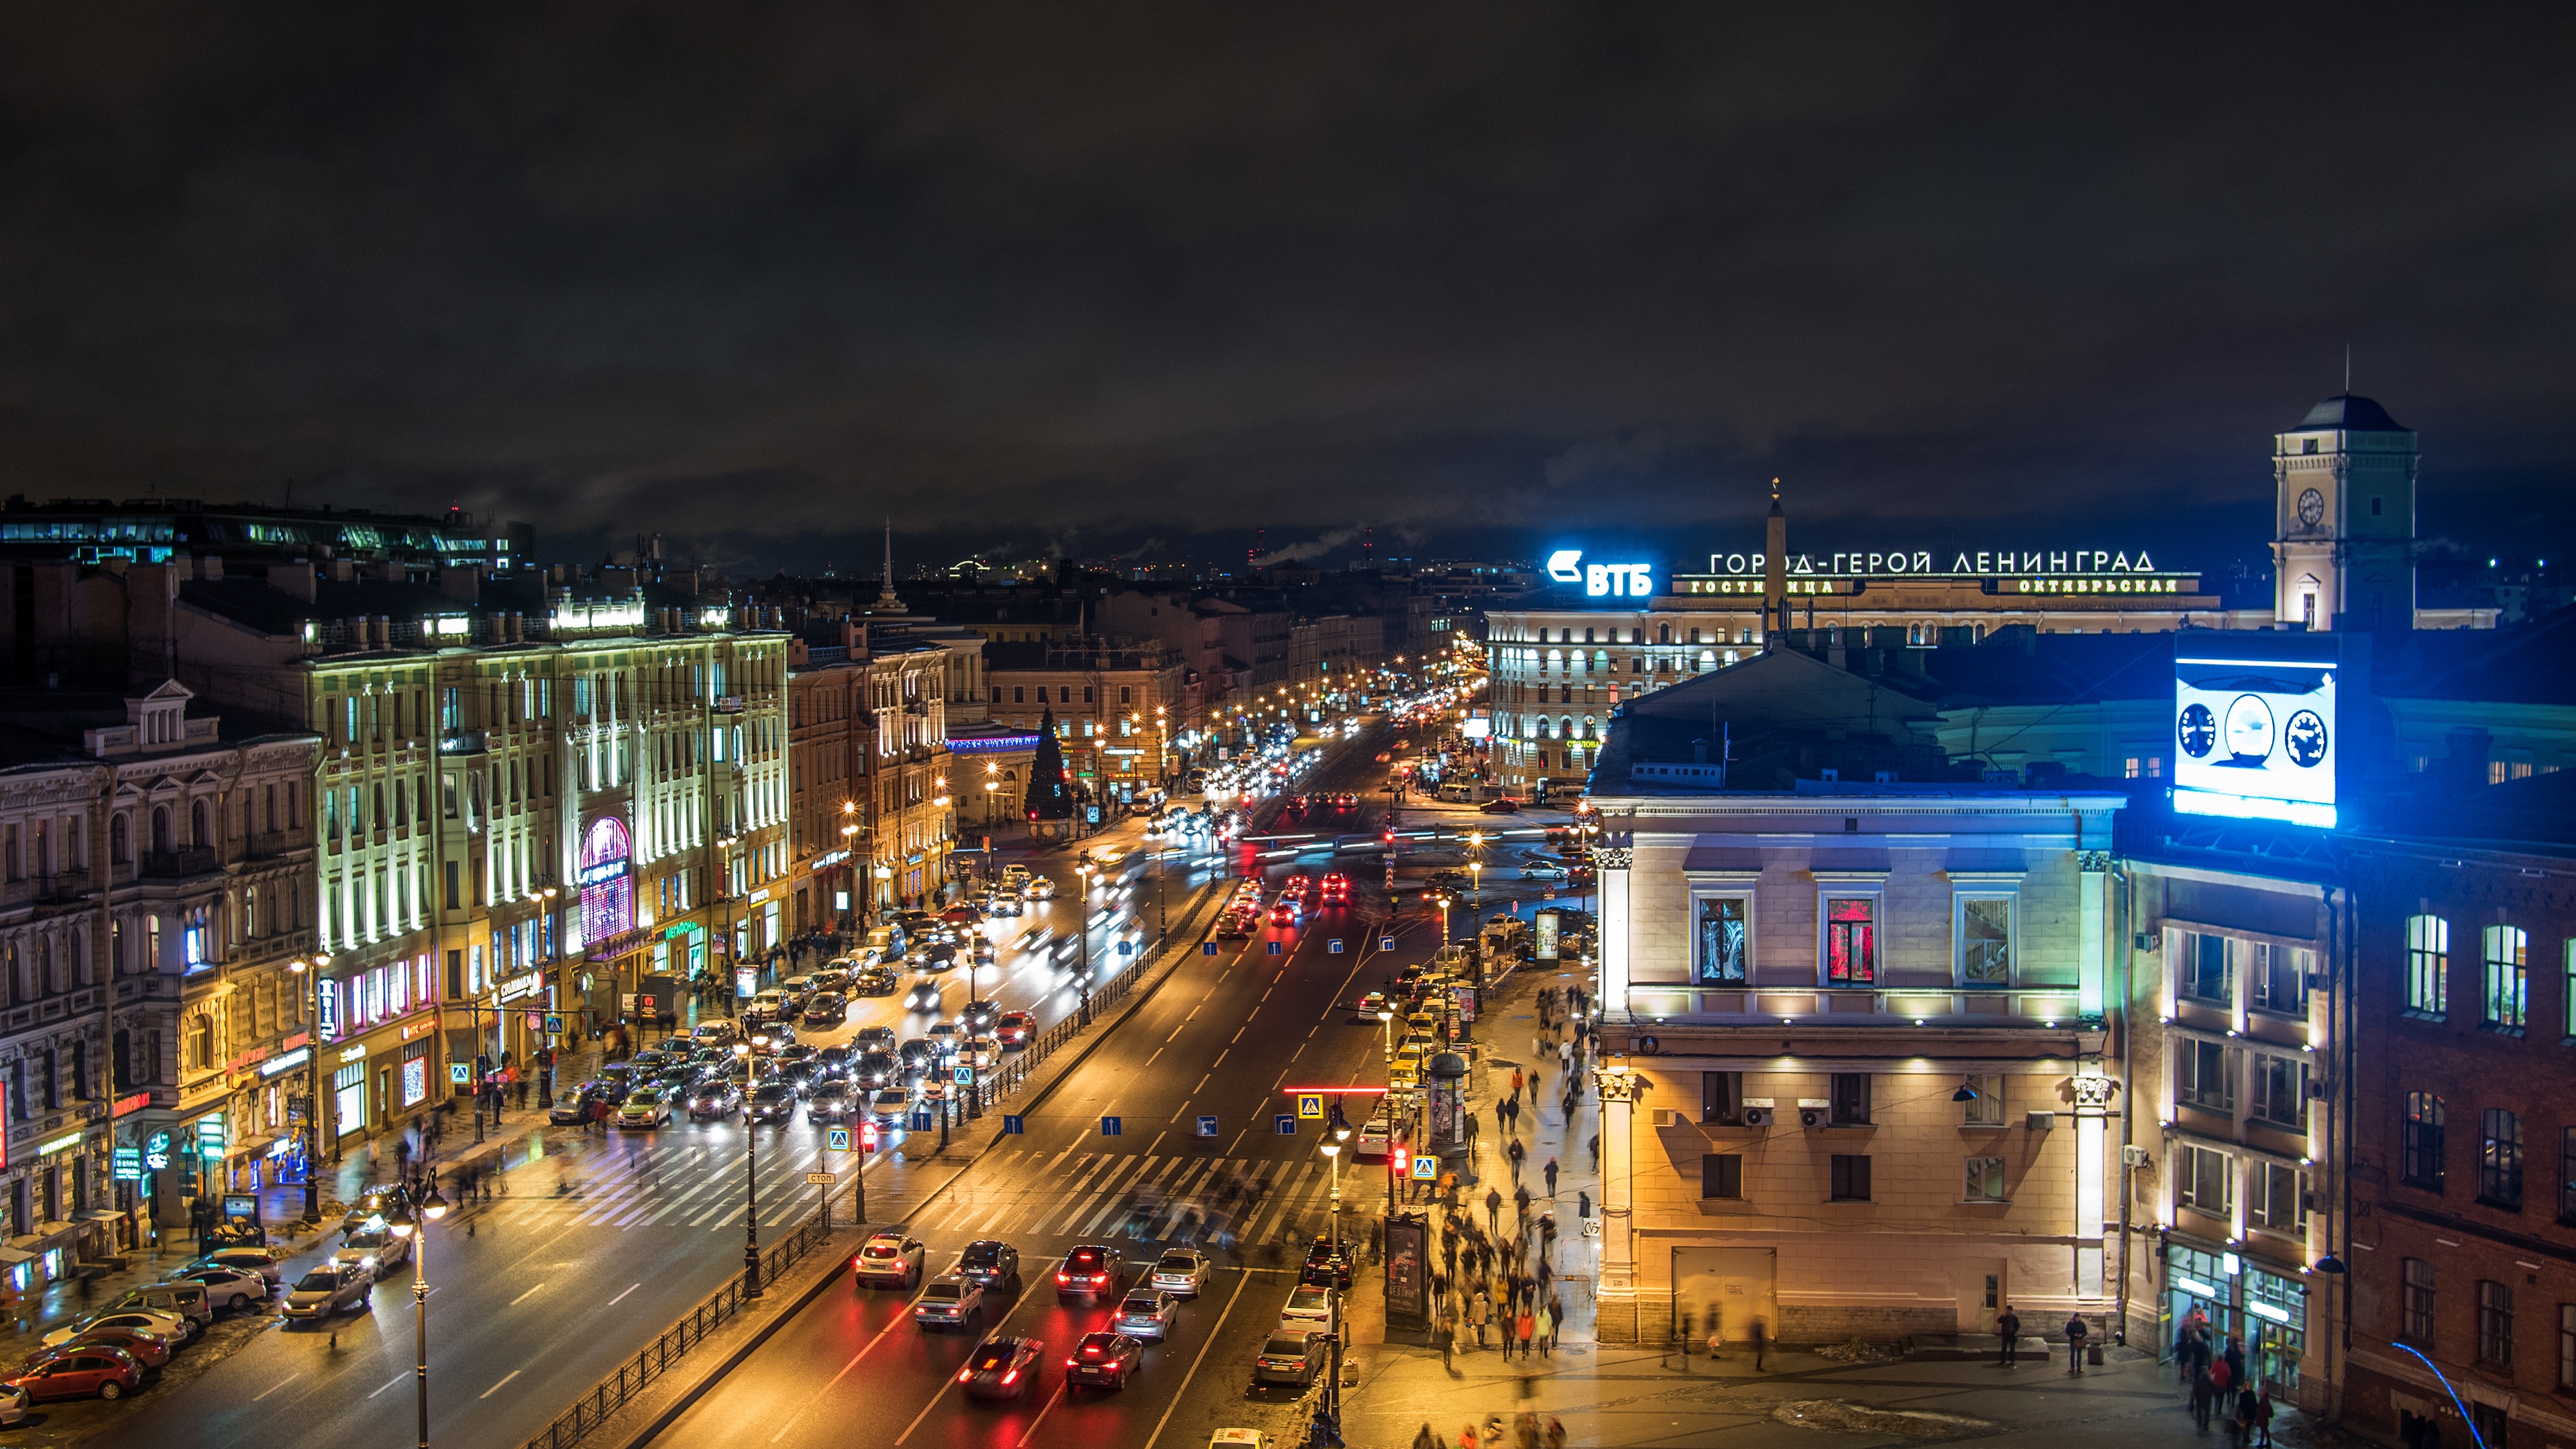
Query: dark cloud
[1077, 277]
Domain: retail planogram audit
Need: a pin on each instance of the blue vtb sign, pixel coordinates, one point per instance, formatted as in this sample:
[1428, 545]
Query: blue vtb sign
[1602, 580]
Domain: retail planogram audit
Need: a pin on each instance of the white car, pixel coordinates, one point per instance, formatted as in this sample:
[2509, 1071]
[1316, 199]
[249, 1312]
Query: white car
[168, 1325]
[234, 1288]
[379, 1251]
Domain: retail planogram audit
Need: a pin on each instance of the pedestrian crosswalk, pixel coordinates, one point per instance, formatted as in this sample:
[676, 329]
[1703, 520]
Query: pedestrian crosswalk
[633, 1183]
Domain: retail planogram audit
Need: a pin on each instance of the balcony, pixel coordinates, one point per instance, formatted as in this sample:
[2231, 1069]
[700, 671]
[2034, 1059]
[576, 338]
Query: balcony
[269, 844]
[1866, 1007]
[464, 742]
[178, 864]
[59, 888]
[727, 704]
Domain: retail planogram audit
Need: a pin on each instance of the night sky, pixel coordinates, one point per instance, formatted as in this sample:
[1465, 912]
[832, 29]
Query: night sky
[1135, 280]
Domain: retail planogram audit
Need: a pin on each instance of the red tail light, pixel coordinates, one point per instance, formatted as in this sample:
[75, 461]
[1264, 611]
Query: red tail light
[1012, 1377]
[966, 1375]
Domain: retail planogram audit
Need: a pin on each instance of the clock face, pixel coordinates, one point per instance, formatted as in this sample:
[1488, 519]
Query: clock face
[2312, 507]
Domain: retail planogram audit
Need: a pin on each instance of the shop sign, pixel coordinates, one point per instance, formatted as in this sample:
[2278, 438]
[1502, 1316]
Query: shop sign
[760, 895]
[211, 1137]
[413, 1031]
[516, 987]
[826, 862]
[124, 1106]
[156, 1151]
[59, 1144]
[356, 1051]
[288, 1062]
[129, 1164]
[676, 932]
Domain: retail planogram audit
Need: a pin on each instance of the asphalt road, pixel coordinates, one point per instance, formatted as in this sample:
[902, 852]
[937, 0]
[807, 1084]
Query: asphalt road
[1226, 1037]
[597, 1246]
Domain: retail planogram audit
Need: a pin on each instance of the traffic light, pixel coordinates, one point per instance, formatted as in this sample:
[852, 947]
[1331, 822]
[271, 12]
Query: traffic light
[867, 1137]
[1403, 1156]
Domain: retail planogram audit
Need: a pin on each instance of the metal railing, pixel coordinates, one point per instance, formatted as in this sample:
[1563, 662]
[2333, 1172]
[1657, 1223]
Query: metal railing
[676, 1342]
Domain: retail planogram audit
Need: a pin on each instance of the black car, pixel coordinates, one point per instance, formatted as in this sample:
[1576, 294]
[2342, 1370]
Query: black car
[1104, 1360]
[832, 1101]
[836, 1058]
[978, 1017]
[1091, 1271]
[875, 1070]
[576, 1107]
[773, 1101]
[1328, 1265]
[828, 1009]
[992, 1263]
[920, 1054]
[873, 1039]
[801, 1074]
[1002, 1367]
[876, 981]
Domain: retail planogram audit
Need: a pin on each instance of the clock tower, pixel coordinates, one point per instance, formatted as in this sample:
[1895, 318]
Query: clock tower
[2343, 534]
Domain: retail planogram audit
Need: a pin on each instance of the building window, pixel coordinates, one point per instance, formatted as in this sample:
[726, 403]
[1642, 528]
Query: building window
[2428, 965]
[2500, 1159]
[1725, 941]
[2280, 978]
[1986, 1180]
[2566, 1347]
[2205, 1182]
[2508, 985]
[2281, 1091]
[1721, 1098]
[1721, 1174]
[2421, 1142]
[1986, 1108]
[1985, 940]
[1851, 1099]
[1849, 1178]
[2567, 1175]
[2204, 1075]
[2205, 973]
[2495, 1324]
[2416, 1325]
[1851, 940]
[2272, 1198]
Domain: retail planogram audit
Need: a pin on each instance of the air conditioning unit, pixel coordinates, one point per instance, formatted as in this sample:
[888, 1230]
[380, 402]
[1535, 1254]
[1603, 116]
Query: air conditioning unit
[2041, 1121]
[1665, 1118]
[1811, 1117]
[2133, 1157]
[2146, 941]
[1757, 1116]
[2319, 1089]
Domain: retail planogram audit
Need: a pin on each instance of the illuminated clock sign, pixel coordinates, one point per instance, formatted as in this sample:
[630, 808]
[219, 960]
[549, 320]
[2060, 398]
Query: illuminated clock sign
[2255, 728]
[1602, 580]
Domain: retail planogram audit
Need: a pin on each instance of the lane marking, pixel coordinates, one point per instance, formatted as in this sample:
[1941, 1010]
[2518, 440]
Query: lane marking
[273, 1388]
[1202, 1086]
[1052, 1400]
[1149, 1061]
[496, 1388]
[1219, 1327]
[522, 1298]
[844, 1373]
[1220, 1059]
[389, 1383]
[620, 1298]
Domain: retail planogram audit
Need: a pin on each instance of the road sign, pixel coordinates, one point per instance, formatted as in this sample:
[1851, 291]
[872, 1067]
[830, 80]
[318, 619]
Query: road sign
[820, 1179]
[1334, 947]
[554, 1023]
[1426, 1169]
[1108, 1126]
[129, 1164]
[1285, 1125]
[1207, 1126]
[1274, 948]
[1011, 1127]
[1310, 1105]
[962, 1076]
[923, 1119]
[1126, 948]
[460, 1073]
[1386, 943]
[1207, 948]
[836, 1139]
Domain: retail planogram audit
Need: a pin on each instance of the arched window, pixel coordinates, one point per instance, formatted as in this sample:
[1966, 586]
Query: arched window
[117, 842]
[1587, 636]
[1663, 633]
[1565, 727]
[2420, 1142]
[1591, 731]
[198, 834]
[2500, 1159]
[160, 827]
[1543, 727]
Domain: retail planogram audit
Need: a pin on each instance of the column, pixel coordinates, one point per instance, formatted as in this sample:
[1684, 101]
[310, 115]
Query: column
[1611, 861]
[2092, 1137]
[2091, 916]
[1617, 1300]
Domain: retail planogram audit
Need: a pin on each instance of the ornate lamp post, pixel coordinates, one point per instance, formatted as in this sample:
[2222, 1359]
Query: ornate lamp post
[404, 1225]
[750, 1174]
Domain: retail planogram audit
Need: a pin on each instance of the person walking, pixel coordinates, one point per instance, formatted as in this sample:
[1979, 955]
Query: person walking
[1518, 1155]
[1758, 1340]
[1426, 1439]
[1448, 1342]
[2076, 1332]
[1595, 1145]
[1521, 1200]
[2263, 1417]
[2248, 1408]
[2008, 1328]
[1550, 1172]
[1494, 1210]
[2235, 1358]
[1555, 1321]
[2203, 1394]
[1555, 1433]
[1517, 1081]
[1526, 1325]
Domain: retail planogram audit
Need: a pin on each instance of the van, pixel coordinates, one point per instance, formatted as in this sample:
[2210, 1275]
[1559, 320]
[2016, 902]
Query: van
[184, 1300]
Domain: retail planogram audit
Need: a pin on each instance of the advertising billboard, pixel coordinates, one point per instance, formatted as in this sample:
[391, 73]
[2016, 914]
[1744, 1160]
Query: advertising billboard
[2255, 737]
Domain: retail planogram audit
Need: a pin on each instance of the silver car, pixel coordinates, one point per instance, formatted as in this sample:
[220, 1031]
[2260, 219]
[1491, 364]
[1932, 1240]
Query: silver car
[326, 1291]
[1182, 1271]
[1147, 1313]
[950, 1300]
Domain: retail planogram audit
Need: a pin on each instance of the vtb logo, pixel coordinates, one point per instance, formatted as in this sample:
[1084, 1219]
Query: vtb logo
[1601, 581]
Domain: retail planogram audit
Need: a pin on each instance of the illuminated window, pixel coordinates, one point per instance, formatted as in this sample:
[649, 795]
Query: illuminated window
[1851, 940]
[1724, 940]
[2508, 984]
[2420, 1142]
[2428, 965]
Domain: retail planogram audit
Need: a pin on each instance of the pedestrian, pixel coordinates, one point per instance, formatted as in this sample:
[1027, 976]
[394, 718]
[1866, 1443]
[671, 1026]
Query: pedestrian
[1517, 1080]
[2263, 1417]
[1448, 1343]
[1555, 1320]
[1555, 1433]
[2248, 1408]
[1521, 1200]
[2076, 1331]
[1595, 1145]
[2235, 1358]
[1426, 1439]
[1494, 1210]
[1527, 1327]
[1565, 1057]
[1757, 1345]
[1551, 1177]
[1467, 1437]
[2008, 1328]
[1519, 1155]
[1479, 1310]
[2203, 1393]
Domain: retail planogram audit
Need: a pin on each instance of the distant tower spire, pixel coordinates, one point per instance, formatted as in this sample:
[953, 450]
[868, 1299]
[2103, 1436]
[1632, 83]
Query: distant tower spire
[1775, 571]
[2347, 369]
[885, 588]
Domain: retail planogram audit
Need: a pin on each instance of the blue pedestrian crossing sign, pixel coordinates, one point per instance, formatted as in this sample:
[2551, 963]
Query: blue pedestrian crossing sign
[836, 1139]
[1386, 943]
[962, 1076]
[1310, 1105]
[1207, 1126]
[1108, 1126]
[1426, 1168]
[1011, 1126]
[1286, 1125]
[1207, 948]
[1274, 948]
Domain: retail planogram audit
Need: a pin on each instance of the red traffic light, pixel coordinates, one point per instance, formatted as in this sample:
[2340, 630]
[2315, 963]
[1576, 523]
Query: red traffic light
[1403, 1159]
[867, 1137]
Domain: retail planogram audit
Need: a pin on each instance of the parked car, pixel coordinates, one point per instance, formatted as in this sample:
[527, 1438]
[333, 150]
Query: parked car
[1328, 1264]
[1289, 1358]
[252, 1260]
[950, 1300]
[1308, 1310]
[1104, 1360]
[1181, 1270]
[187, 1302]
[1002, 1367]
[888, 1258]
[326, 1291]
[89, 1371]
[148, 1348]
[234, 1288]
[167, 1325]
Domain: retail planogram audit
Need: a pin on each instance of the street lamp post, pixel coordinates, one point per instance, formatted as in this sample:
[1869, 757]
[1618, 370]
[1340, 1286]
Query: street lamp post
[1082, 933]
[974, 1084]
[404, 1225]
[1333, 1390]
[313, 1089]
[750, 1175]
